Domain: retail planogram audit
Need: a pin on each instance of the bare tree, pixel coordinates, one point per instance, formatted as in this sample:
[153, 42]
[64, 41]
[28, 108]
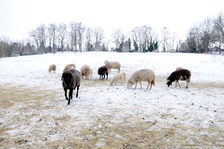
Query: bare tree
[98, 35]
[118, 37]
[135, 38]
[206, 35]
[4, 48]
[193, 39]
[42, 36]
[52, 36]
[218, 31]
[88, 37]
[35, 38]
[164, 39]
[80, 31]
[74, 35]
[61, 31]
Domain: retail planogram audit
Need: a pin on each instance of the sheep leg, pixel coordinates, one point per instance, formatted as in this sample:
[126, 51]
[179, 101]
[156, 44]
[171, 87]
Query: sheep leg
[136, 85]
[77, 92]
[70, 96]
[148, 86]
[107, 75]
[140, 84]
[66, 93]
[187, 84]
[178, 84]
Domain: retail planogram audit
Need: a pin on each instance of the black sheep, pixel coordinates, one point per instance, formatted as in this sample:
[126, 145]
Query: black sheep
[182, 74]
[102, 71]
[71, 80]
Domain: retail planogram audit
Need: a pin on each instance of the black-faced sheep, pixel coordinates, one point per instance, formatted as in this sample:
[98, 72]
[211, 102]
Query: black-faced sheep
[119, 78]
[52, 68]
[86, 71]
[71, 80]
[102, 71]
[113, 65]
[182, 74]
[142, 75]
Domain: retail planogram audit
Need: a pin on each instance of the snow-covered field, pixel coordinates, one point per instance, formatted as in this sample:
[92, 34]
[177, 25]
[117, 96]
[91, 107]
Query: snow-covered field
[34, 112]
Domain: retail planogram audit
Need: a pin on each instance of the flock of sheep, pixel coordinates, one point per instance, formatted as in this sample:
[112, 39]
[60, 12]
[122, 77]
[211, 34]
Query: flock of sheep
[71, 77]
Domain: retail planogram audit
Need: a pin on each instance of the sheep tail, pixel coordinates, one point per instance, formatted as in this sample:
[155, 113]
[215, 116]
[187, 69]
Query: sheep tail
[153, 82]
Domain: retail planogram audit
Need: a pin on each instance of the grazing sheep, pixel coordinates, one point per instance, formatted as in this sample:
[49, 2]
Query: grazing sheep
[102, 71]
[120, 78]
[86, 71]
[179, 68]
[52, 68]
[182, 74]
[69, 66]
[142, 75]
[71, 80]
[113, 65]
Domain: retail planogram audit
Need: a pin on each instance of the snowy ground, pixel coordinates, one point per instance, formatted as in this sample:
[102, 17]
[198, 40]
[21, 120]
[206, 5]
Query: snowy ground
[34, 112]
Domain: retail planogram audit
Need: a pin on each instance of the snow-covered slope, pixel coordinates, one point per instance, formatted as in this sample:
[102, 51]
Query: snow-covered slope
[112, 116]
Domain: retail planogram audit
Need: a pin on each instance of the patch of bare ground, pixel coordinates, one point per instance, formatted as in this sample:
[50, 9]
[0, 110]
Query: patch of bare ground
[60, 130]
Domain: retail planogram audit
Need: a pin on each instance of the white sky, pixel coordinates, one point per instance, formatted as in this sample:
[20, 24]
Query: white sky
[19, 17]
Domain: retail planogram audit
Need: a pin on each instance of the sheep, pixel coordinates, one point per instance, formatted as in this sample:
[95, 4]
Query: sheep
[69, 66]
[179, 68]
[102, 71]
[142, 75]
[120, 78]
[113, 65]
[52, 68]
[86, 71]
[71, 80]
[182, 74]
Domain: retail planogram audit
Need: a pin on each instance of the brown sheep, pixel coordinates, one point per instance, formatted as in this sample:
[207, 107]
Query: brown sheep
[182, 74]
[52, 68]
[71, 80]
[142, 75]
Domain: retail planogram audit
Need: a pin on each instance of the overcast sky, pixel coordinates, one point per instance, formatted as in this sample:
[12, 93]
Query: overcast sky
[19, 17]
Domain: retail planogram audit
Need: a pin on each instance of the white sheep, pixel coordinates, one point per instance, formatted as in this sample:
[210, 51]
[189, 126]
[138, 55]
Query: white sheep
[86, 71]
[113, 65]
[142, 75]
[119, 78]
[52, 68]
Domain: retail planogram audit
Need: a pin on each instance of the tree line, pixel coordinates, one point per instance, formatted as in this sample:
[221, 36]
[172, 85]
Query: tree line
[203, 37]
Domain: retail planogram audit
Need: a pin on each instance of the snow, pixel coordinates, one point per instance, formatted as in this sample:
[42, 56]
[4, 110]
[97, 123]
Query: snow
[100, 106]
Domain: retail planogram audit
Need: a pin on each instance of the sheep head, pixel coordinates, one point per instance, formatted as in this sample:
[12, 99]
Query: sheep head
[169, 83]
[67, 78]
[130, 83]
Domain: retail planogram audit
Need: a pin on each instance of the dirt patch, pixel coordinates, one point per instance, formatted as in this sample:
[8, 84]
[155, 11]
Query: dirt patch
[48, 128]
